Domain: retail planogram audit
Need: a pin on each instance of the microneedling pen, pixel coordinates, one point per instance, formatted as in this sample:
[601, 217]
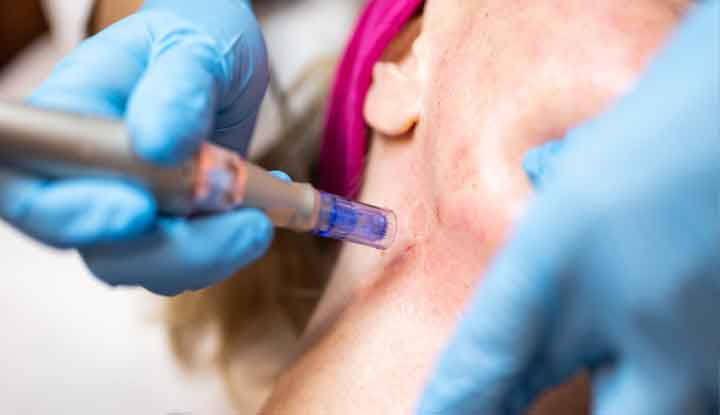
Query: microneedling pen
[60, 145]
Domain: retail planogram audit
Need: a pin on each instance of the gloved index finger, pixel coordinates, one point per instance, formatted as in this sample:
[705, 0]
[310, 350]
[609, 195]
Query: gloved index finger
[485, 368]
[206, 78]
[172, 110]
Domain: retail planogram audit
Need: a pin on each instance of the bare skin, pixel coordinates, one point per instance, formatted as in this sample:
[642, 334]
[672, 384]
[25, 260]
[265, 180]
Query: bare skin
[480, 82]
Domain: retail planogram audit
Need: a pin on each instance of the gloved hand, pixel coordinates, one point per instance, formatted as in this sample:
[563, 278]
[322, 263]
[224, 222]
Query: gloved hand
[179, 71]
[616, 266]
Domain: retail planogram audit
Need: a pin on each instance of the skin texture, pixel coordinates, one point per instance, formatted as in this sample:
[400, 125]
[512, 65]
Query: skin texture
[485, 81]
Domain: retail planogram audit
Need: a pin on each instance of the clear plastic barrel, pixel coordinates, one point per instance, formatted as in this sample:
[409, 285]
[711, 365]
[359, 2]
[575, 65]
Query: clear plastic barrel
[355, 222]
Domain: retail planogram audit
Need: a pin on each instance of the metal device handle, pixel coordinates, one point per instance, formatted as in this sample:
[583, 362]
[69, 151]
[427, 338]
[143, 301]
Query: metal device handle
[60, 145]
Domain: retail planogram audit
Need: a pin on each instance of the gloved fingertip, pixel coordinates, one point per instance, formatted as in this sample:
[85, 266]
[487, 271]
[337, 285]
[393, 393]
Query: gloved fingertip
[537, 162]
[532, 166]
[253, 236]
[281, 175]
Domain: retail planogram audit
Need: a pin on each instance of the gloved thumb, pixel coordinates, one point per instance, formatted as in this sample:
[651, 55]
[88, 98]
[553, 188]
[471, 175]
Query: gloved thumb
[281, 175]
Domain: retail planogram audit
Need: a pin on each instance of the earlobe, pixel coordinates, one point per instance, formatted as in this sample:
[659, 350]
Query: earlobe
[392, 106]
[394, 102]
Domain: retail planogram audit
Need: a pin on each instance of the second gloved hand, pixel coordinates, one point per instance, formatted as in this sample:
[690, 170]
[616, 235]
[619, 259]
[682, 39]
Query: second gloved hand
[179, 72]
[616, 267]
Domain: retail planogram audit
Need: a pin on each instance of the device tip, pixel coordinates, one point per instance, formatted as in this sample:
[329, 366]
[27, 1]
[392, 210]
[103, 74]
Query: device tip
[356, 222]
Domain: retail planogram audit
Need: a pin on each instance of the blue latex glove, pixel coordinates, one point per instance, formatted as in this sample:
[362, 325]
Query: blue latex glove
[616, 266]
[179, 71]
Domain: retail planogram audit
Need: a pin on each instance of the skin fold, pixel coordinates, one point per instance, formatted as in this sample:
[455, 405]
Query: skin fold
[479, 83]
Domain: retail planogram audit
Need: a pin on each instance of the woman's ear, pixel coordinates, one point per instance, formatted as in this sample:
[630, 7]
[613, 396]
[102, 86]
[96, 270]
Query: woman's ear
[393, 104]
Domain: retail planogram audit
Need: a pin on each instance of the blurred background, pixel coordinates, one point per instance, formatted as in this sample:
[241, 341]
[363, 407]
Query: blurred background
[71, 344]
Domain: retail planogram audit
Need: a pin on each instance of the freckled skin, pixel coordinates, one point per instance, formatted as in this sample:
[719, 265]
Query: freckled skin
[502, 76]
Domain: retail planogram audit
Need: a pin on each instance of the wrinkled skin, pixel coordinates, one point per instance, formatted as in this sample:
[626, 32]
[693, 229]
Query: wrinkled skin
[481, 82]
